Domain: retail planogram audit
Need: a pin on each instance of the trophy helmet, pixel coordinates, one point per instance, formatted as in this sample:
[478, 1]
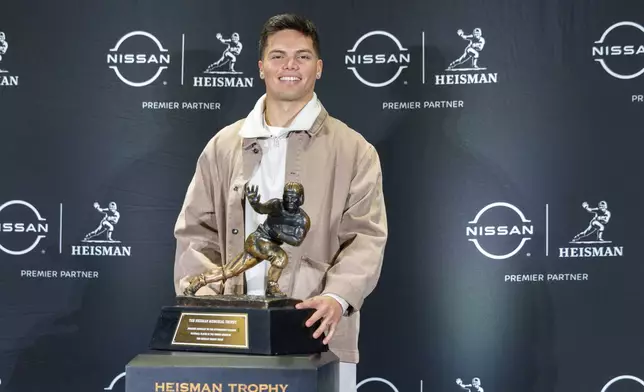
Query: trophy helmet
[295, 187]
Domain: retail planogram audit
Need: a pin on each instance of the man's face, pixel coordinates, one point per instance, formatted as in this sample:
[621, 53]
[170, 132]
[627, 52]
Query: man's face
[292, 200]
[290, 66]
[2, 37]
[477, 34]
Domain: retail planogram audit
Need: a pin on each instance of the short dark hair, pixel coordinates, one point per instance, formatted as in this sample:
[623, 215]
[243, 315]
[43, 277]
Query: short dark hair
[288, 22]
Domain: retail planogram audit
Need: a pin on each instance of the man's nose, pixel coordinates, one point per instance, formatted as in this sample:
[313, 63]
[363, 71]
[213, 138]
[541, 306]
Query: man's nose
[291, 63]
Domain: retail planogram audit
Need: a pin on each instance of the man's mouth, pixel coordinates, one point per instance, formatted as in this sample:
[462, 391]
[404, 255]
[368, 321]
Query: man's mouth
[290, 79]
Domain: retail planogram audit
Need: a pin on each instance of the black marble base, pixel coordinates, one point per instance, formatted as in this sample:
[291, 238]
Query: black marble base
[237, 301]
[272, 326]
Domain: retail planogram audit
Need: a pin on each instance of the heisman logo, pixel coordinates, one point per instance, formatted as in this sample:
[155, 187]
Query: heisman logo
[479, 231]
[5, 80]
[472, 51]
[353, 59]
[229, 58]
[604, 51]
[118, 58]
[467, 64]
[476, 385]
[111, 217]
[596, 226]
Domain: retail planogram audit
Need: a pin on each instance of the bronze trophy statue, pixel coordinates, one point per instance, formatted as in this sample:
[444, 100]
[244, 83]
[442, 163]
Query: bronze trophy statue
[268, 325]
[286, 223]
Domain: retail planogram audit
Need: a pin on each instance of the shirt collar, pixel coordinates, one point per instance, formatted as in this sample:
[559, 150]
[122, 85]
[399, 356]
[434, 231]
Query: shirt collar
[255, 126]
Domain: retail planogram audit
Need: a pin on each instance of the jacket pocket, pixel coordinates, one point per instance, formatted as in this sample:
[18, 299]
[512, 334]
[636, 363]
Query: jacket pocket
[309, 279]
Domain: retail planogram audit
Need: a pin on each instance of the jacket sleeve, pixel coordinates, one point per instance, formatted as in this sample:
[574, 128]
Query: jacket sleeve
[198, 248]
[362, 234]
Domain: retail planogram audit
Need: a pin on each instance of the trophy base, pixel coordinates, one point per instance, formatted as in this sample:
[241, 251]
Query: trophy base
[236, 324]
[181, 371]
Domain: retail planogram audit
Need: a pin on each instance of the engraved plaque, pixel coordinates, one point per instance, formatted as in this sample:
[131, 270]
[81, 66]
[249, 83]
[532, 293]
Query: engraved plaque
[212, 330]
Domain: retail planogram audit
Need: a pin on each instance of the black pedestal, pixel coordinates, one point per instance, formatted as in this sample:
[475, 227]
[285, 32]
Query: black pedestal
[227, 324]
[167, 371]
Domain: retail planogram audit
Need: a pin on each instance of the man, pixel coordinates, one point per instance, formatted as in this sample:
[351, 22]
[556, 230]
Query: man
[229, 56]
[473, 49]
[290, 138]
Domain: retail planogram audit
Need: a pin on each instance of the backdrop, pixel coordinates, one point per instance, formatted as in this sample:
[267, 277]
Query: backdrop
[510, 135]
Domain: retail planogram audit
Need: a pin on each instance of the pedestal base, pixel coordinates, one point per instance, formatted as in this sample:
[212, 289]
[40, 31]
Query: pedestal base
[168, 371]
[244, 324]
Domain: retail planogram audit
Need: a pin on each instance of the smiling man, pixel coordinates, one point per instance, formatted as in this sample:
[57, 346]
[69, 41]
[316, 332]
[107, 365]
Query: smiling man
[289, 137]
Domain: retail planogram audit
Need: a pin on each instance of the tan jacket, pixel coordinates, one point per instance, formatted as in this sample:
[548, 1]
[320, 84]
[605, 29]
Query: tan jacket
[343, 251]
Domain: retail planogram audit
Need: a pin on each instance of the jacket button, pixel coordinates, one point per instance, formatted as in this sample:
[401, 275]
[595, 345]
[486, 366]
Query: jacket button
[255, 150]
[236, 188]
[235, 231]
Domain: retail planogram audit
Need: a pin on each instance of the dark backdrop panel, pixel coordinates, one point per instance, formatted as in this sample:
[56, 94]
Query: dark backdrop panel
[550, 119]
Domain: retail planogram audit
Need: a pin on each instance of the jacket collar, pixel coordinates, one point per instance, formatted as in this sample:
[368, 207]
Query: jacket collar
[310, 120]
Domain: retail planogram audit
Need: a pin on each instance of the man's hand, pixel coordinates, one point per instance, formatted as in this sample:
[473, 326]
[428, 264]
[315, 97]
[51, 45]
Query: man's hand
[327, 309]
